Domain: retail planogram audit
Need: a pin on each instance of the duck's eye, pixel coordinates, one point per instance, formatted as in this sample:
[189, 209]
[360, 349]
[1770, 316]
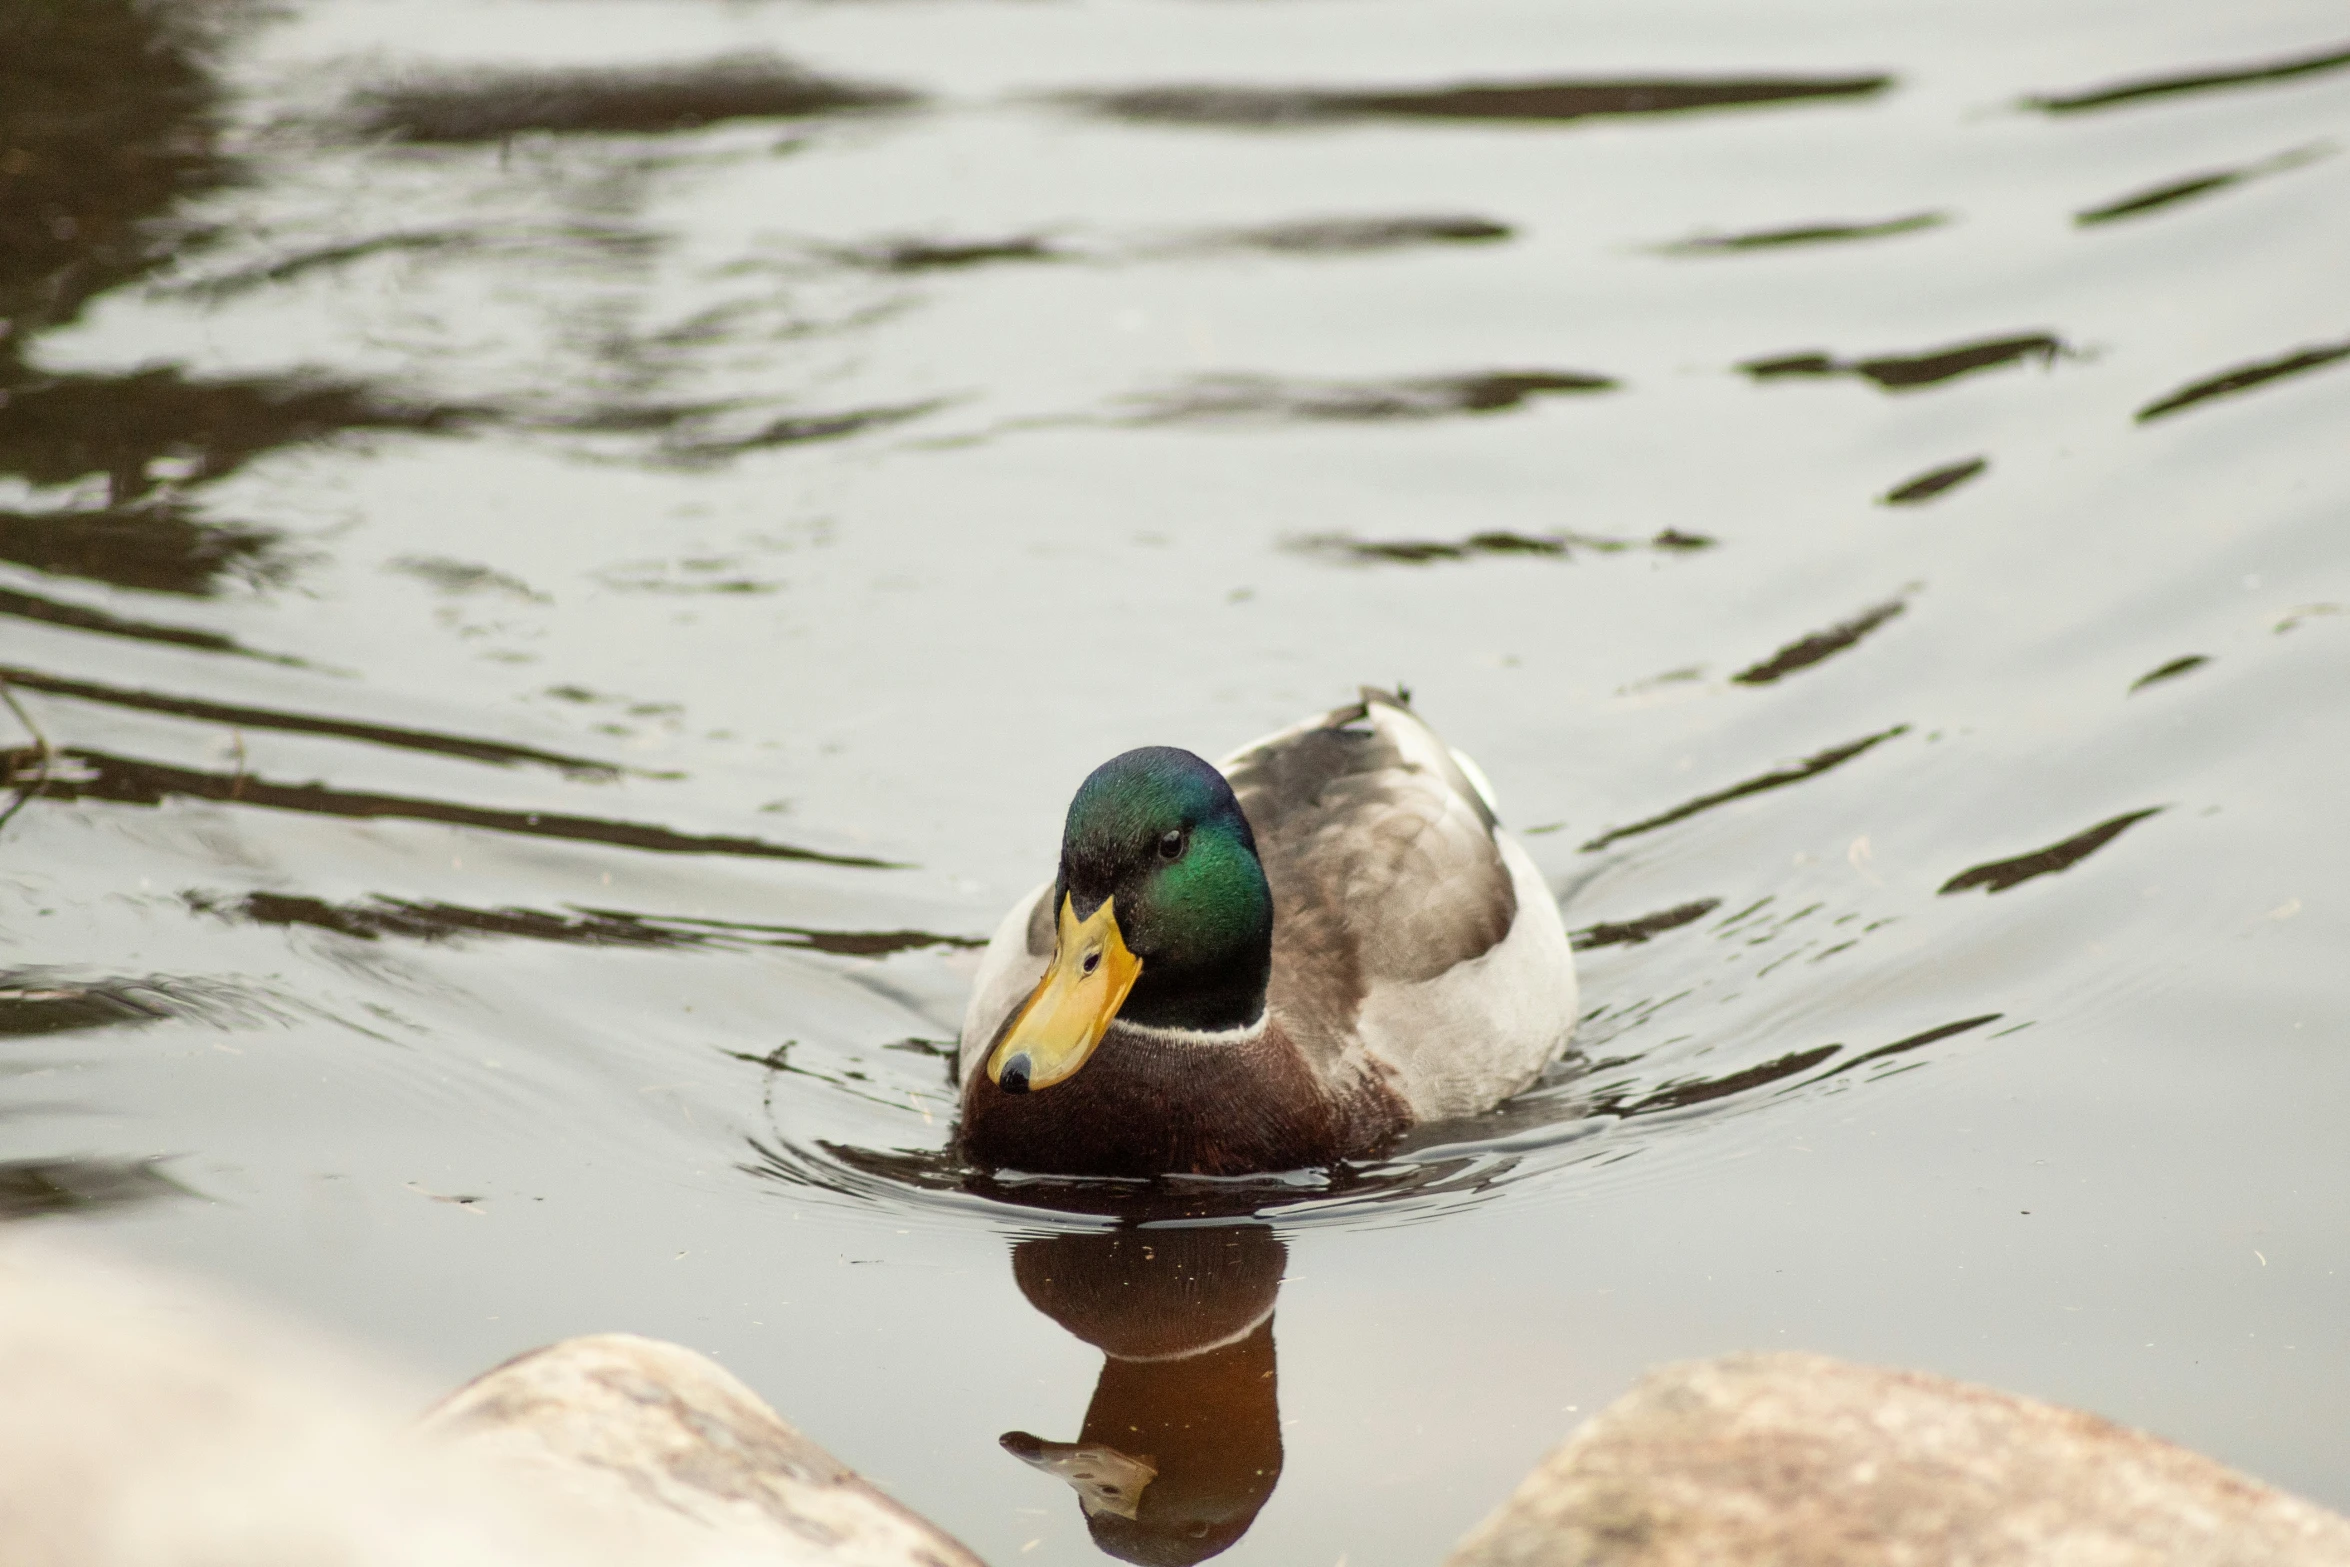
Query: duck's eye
[1171, 843]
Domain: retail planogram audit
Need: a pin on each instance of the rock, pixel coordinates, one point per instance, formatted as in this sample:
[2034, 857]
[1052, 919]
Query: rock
[622, 1422]
[1799, 1459]
[144, 1423]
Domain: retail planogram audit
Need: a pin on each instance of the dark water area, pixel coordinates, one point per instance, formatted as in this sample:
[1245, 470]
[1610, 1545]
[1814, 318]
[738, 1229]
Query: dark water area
[560, 560]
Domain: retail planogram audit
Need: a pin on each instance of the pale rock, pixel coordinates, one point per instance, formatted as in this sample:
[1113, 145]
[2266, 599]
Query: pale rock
[146, 1423]
[1802, 1461]
[621, 1422]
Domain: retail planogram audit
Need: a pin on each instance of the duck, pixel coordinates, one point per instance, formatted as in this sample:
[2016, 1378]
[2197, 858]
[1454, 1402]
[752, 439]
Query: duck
[1281, 961]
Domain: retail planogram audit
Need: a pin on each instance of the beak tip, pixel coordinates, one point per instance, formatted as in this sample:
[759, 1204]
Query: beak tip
[1013, 1078]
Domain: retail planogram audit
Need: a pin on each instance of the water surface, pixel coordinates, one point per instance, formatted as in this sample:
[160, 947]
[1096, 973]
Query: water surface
[560, 559]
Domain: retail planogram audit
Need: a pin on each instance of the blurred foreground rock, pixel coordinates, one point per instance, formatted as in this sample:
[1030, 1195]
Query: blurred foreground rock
[1802, 1461]
[143, 1424]
[620, 1423]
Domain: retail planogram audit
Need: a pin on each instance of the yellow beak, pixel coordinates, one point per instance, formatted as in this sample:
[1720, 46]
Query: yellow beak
[1071, 1008]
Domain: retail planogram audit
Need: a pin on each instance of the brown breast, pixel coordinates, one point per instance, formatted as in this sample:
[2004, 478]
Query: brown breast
[1150, 1107]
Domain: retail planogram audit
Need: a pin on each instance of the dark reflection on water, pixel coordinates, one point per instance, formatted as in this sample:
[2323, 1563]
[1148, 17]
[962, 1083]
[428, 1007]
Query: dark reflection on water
[798, 430]
[1705, 1090]
[2245, 377]
[157, 546]
[484, 106]
[413, 920]
[608, 241]
[934, 255]
[1548, 101]
[2191, 82]
[2171, 193]
[81, 617]
[1181, 1444]
[113, 84]
[1902, 1047]
[1934, 481]
[1632, 933]
[1250, 397]
[36, 1188]
[1344, 236]
[122, 780]
[160, 426]
[1421, 552]
[2170, 671]
[1902, 372]
[1778, 778]
[1807, 651]
[465, 747]
[126, 89]
[47, 1003]
[1999, 875]
[1321, 236]
[1802, 234]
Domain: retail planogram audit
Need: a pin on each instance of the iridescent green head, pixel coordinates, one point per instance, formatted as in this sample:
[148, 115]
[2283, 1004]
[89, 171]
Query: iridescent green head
[1161, 912]
[1158, 832]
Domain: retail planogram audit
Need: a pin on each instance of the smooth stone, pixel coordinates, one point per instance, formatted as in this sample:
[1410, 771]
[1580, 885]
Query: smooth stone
[146, 1421]
[1800, 1459]
[618, 1420]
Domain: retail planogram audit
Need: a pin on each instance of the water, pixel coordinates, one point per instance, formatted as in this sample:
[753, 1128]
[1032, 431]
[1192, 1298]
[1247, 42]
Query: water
[569, 553]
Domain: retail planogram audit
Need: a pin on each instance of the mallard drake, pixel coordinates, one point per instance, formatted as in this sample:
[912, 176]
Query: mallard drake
[1282, 962]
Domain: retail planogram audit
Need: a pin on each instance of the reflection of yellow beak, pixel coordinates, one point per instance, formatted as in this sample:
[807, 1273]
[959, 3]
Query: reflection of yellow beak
[1107, 1480]
[1072, 1005]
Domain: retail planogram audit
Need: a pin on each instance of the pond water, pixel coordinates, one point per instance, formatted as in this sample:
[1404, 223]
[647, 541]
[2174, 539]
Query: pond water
[560, 560]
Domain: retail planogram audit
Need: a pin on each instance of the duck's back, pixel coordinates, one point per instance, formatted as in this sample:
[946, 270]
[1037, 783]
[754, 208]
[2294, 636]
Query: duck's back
[1409, 930]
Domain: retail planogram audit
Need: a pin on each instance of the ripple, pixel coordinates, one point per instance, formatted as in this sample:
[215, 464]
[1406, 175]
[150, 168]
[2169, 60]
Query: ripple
[159, 545]
[1802, 234]
[36, 1188]
[463, 747]
[1999, 875]
[122, 780]
[491, 105]
[1570, 1120]
[2169, 194]
[1904, 372]
[1219, 398]
[81, 617]
[1421, 552]
[2142, 88]
[1778, 778]
[2243, 378]
[1550, 102]
[2170, 671]
[1933, 482]
[370, 919]
[1804, 653]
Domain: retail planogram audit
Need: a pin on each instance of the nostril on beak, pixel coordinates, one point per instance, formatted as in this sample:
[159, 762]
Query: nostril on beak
[1013, 1079]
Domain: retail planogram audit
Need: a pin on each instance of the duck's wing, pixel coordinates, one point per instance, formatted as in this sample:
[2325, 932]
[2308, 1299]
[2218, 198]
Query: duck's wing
[1009, 969]
[1406, 924]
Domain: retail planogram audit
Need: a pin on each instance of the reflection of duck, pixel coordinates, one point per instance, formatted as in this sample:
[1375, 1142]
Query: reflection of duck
[1182, 1443]
[1280, 964]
